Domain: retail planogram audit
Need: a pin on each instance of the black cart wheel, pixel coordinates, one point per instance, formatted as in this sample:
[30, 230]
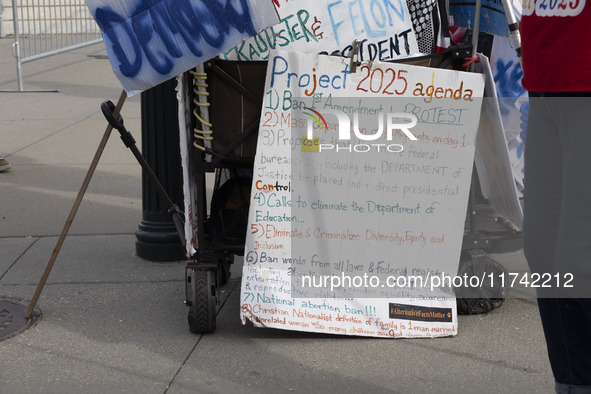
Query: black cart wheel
[201, 297]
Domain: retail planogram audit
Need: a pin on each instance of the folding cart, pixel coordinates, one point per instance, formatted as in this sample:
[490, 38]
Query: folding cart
[225, 105]
[226, 99]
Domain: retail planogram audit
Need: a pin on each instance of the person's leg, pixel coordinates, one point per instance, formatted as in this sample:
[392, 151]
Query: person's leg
[542, 187]
[566, 323]
[573, 243]
[541, 213]
[557, 230]
[573, 246]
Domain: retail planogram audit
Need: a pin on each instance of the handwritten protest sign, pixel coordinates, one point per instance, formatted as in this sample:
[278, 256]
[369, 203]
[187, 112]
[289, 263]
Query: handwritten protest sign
[492, 15]
[149, 42]
[385, 28]
[359, 197]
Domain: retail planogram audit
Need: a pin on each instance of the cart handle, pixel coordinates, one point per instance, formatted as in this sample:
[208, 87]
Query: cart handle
[108, 107]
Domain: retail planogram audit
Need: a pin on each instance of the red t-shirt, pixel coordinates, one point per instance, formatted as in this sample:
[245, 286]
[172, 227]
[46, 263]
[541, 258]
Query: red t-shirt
[556, 45]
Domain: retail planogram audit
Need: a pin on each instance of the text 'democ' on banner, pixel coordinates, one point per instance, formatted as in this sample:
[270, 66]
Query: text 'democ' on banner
[383, 27]
[149, 42]
[360, 188]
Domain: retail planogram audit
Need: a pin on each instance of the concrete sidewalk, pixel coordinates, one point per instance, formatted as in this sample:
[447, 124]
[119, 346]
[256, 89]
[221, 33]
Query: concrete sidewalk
[114, 323]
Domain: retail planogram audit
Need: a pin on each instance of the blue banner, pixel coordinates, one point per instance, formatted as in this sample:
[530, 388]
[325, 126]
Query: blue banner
[151, 41]
[492, 17]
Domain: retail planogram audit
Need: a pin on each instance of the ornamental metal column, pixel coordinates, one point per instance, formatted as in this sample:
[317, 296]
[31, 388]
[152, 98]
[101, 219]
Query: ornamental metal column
[156, 238]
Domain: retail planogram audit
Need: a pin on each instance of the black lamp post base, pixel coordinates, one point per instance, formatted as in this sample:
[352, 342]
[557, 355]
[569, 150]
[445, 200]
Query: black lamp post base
[156, 237]
[158, 242]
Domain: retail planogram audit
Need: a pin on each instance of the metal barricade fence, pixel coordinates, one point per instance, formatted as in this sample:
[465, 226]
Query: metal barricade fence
[44, 28]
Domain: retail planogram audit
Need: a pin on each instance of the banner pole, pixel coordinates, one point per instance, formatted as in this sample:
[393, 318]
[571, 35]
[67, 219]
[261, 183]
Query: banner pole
[74, 209]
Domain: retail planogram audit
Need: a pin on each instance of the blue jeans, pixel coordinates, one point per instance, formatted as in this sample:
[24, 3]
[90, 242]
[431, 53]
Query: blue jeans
[557, 229]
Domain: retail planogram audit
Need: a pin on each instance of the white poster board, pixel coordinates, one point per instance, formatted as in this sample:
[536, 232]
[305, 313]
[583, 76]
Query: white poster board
[388, 220]
[188, 163]
[384, 27]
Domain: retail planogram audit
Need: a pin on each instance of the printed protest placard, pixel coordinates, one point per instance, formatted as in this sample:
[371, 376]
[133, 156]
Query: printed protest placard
[359, 197]
[149, 42]
[384, 27]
